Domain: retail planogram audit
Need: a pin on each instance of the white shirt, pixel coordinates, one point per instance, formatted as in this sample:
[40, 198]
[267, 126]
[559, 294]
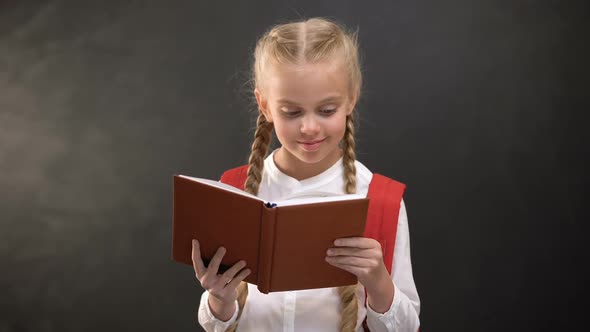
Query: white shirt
[319, 309]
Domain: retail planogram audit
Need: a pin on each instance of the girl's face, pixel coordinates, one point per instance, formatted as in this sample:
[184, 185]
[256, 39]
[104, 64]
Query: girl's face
[308, 105]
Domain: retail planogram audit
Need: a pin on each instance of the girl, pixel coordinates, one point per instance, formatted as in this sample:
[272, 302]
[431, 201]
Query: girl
[307, 81]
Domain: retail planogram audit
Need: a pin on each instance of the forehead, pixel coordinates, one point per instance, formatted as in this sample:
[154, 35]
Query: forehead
[307, 83]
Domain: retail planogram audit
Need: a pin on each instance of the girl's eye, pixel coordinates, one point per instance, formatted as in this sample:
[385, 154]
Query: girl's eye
[327, 111]
[291, 113]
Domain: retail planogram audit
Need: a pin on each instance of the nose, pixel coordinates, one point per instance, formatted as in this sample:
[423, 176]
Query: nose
[309, 125]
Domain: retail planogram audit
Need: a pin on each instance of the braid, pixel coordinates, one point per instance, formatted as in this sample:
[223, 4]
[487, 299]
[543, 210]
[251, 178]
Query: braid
[242, 295]
[349, 157]
[349, 310]
[262, 137]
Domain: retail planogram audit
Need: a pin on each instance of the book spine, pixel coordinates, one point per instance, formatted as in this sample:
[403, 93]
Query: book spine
[267, 242]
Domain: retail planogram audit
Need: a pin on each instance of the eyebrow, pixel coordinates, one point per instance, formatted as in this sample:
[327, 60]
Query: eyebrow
[323, 101]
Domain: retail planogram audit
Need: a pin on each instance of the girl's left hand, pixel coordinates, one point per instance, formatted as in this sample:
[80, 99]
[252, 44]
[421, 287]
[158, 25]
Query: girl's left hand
[362, 257]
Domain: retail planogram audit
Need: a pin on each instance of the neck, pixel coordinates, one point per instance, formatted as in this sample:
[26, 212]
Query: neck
[299, 170]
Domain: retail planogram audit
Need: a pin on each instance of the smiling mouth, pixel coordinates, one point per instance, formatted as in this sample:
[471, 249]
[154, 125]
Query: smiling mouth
[311, 145]
[312, 142]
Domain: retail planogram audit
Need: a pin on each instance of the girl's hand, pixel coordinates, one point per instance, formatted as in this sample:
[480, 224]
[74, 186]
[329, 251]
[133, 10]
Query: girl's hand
[221, 287]
[360, 256]
[363, 257]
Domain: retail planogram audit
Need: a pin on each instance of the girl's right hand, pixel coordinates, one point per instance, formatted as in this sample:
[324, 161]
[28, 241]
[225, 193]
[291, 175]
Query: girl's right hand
[221, 287]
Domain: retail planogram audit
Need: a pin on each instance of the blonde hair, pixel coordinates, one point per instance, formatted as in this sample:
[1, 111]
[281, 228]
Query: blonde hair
[312, 40]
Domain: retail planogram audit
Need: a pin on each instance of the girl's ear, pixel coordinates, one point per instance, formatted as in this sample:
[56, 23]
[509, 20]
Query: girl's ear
[263, 105]
[352, 105]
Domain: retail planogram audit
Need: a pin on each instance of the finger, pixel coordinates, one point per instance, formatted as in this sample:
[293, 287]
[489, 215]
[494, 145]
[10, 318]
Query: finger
[352, 269]
[215, 261]
[232, 271]
[348, 251]
[197, 261]
[351, 261]
[357, 242]
[238, 278]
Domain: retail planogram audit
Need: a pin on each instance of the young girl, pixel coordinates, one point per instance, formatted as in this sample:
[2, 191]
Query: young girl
[307, 81]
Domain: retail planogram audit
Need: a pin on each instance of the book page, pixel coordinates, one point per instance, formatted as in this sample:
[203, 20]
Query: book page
[221, 185]
[315, 199]
[297, 199]
[310, 194]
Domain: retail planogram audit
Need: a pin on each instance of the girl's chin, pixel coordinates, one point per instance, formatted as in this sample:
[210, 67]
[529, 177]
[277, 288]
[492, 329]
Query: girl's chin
[316, 157]
[308, 157]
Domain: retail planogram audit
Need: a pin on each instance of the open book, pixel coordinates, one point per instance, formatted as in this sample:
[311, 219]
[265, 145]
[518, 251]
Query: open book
[284, 243]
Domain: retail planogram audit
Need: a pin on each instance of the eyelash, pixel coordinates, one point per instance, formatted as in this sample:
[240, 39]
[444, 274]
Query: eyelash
[328, 111]
[323, 112]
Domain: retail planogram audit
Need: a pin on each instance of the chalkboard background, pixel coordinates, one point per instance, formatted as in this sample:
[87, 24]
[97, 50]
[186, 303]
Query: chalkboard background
[476, 105]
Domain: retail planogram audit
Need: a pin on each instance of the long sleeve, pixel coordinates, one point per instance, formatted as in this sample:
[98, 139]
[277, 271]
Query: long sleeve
[403, 315]
[208, 321]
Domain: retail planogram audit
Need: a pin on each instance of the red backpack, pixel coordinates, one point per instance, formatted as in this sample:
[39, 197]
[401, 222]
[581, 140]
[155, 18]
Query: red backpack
[385, 197]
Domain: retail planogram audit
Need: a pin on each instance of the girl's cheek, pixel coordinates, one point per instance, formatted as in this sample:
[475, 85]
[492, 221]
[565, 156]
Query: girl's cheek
[287, 126]
[282, 130]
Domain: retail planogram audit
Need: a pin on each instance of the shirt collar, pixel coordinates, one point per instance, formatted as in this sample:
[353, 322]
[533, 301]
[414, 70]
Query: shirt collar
[334, 172]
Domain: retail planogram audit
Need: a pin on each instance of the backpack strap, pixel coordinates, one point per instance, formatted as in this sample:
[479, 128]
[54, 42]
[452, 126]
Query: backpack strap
[385, 196]
[236, 177]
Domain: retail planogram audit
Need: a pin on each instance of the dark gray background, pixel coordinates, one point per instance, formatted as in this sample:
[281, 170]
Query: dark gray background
[476, 105]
